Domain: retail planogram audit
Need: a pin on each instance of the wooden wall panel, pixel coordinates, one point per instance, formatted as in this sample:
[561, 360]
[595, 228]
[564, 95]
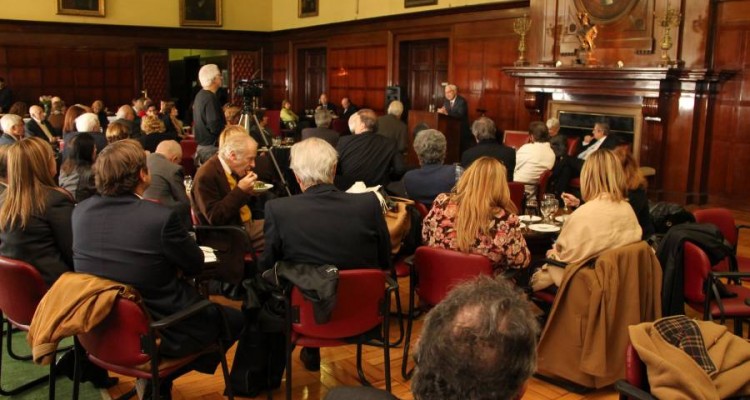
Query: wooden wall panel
[277, 73]
[358, 72]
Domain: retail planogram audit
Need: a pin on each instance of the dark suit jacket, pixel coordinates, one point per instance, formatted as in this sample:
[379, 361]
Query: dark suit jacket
[216, 203]
[326, 226]
[208, 118]
[392, 127]
[151, 141]
[367, 157]
[329, 135]
[7, 139]
[143, 244]
[348, 112]
[167, 186]
[425, 183]
[491, 148]
[559, 144]
[100, 140]
[46, 242]
[33, 129]
[135, 128]
[329, 106]
[459, 110]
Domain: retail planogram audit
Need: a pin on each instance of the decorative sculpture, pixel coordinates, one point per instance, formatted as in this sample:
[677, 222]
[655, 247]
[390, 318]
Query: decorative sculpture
[586, 34]
[672, 18]
[521, 26]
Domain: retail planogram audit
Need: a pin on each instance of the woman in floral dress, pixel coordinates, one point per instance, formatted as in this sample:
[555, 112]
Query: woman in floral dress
[479, 218]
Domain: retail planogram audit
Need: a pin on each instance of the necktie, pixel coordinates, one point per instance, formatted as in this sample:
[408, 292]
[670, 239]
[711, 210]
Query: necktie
[245, 214]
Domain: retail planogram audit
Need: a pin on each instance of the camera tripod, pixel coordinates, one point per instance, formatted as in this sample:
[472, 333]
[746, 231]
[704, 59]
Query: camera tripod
[246, 120]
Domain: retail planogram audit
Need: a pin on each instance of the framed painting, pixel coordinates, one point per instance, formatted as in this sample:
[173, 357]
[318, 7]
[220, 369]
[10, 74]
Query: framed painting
[91, 8]
[417, 3]
[308, 8]
[200, 12]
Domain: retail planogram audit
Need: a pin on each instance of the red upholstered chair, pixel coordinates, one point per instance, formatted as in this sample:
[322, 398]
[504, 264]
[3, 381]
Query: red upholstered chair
[517, 194]
[701, 292]
[274, 121]
[435, 272]
[572, 145]
[543, 184]
[515, 139]
[635, 385]
[189, 148]
[723, 219]
[362, 305]
[126, 343]
[21, 289]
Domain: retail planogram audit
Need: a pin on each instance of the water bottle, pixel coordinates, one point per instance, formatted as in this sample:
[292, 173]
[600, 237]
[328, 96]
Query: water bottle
[188, 181]
[459, 171]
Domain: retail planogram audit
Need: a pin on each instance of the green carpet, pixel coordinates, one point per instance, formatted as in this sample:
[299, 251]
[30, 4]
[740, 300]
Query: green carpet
[17, 372]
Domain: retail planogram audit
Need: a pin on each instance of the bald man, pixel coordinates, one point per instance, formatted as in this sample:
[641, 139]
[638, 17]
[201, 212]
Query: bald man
[39, 126]
[167, 180]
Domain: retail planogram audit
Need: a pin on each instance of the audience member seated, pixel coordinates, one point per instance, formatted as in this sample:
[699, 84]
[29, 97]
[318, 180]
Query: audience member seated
[605, 221]
[347, 108]
[232, 114]
[154, 132]
[573, 165]
[71, 114]
[432, 177]
[56, 117]
[89, 123]
[259, 132]
[324, 104]
[76, 175]
[557, 140]
[35, 212]
[39, 127]
[97, 107]
[323, 225]
[167, 180]
[288, 117]
[532, 159]
[322, 130]
[171, 122]
[224, 186]
[479, 218]
[126, 116]
[13, 129]
[151, 254]
[19, 108]
[484, 132]
[117, 130]
[391, 126]
[208, 117]
[366, 156]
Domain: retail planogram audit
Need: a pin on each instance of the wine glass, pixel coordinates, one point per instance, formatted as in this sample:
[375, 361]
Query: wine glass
[532, 207]
[546, 210]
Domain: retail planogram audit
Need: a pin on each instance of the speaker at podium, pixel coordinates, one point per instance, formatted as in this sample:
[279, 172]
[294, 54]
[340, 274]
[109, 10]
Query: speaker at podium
[391, 93]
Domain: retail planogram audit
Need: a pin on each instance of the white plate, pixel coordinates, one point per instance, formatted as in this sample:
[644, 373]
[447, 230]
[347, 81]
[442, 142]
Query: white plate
[266, 187]
[544, 228]
[562, 218]
[529, 218]
[522, 225]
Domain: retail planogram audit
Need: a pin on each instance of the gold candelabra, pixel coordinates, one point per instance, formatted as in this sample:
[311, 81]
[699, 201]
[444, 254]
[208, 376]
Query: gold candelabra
[672, 18]
[521, 26]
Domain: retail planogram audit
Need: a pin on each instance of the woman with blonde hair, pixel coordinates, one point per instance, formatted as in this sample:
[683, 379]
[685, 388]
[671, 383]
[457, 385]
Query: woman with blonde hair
[605, 221]
[35, 224]
[479, 218]
[117, 131]
[154, 132]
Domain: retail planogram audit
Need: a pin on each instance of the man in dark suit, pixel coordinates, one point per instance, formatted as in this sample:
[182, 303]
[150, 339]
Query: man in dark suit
[456, 106]
[322, 130]
[485, 133]
[366, 156]
[126, 116]
[39, 126]
[324, 225]
[167, 180]
[324, 104]
[391, 125]
[347, 109]
[118, 236]
[571, 168]
[13, 129]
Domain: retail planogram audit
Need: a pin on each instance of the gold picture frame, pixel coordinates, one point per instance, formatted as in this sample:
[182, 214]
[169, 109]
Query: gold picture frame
[418, 3]
[200, 12]
[308, 8]
[90, 8]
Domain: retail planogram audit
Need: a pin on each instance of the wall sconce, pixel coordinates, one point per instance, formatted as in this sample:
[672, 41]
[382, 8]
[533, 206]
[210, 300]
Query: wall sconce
[342, 72]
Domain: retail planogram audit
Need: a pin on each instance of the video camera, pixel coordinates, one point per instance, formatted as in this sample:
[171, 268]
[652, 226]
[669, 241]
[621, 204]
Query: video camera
[249, 88]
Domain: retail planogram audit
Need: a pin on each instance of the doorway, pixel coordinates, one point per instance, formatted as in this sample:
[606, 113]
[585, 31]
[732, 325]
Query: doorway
[423, 67]
[312, 77]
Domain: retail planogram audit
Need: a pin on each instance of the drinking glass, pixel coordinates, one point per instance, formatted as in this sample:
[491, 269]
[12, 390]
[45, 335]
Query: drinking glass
[546, 210]
[532, 207]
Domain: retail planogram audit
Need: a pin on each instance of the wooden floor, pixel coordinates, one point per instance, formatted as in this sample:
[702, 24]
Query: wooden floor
[338, 367]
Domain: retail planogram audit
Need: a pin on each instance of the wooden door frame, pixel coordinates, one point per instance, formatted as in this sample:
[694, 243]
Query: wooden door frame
[294, 48]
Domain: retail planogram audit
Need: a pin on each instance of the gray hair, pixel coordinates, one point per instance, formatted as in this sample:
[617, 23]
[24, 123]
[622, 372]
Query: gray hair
[430, 146]
[478, 343]
[313, 161]
[207, 74]
[8, 121]
[322, 118]
[396, 108]
[452, 87]
[169, 148]
[553, 123]
[369, 118]
[236, 144]
[87, 122]
[483, 129]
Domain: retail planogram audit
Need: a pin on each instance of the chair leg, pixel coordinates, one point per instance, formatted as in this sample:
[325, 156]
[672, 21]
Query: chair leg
[361, 372]
[400, 314]
[407, 340]
[386, 338]
[25, 386]
[225, 372]
[52, 378]
[9, 341]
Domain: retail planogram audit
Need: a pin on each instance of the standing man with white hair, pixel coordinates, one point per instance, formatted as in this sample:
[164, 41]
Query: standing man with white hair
[13, 129]
[456, 106]
[324, 225]
[89, 123]
[391, 125]
[208, 117]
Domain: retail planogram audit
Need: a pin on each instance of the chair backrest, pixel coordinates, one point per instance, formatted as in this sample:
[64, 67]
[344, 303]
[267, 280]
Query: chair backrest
[21, 289]
[118, 338]
[340, 125]
[572, 145]
[439, 270]
[274, 121]
[516, 139]
[722, 218]
[359, 306]
[516, 194]
[543, 183]
[696, 267]
[635, 369]
[189, 148]
[423, 210]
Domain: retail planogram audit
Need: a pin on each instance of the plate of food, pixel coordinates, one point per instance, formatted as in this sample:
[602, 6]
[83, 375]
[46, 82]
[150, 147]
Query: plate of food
[261, 187]
[544, 228]
[529, 218]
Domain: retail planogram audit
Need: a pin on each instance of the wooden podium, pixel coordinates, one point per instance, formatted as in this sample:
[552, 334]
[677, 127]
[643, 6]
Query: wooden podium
[449, 126]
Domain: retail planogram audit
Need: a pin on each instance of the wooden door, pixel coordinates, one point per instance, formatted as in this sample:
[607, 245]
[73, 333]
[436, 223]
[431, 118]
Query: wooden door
[312, 76]
[424, 67]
